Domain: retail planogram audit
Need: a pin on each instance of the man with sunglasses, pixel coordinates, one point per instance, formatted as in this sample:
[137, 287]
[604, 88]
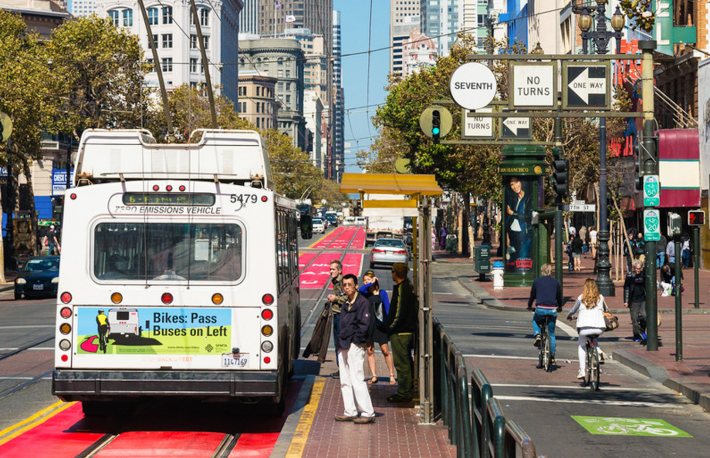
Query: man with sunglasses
[635, 300]
[337, 298]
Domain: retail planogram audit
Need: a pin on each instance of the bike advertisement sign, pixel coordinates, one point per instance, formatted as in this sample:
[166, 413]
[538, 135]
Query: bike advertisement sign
[612, 426]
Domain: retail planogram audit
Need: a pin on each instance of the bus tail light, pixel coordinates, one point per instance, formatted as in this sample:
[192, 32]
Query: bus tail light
[64, 358]
[65, 312]
[182, 187]
[267, 314]
[65, 328]
[116, 298]
[267, 330]
[167, 298]
[264, 198]
[267, 347]
[217, 299]
[267, 299]
[267, 360]
[72, 196]
[64, 345]
[65, 297]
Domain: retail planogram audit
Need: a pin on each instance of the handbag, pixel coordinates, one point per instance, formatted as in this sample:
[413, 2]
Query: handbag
[610, 321]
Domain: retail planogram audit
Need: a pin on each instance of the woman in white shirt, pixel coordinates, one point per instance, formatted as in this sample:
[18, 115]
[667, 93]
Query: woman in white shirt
[590, 319]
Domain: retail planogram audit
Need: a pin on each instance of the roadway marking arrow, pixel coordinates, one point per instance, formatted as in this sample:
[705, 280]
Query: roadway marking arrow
[583, 85]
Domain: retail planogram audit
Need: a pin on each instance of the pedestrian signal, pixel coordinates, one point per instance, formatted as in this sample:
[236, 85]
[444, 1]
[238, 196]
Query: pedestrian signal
[696, 218]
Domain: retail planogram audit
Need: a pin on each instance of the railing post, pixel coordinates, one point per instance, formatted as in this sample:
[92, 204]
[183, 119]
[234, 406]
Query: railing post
[467, 441]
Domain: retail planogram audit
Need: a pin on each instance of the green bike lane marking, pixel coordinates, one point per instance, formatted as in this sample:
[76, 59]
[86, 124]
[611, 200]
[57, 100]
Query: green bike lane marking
[613, 426]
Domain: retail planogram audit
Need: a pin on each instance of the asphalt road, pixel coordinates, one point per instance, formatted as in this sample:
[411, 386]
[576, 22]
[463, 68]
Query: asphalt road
[548, 405]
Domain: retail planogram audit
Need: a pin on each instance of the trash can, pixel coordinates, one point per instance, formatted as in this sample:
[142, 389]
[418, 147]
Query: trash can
[452, 244]
[482, 259]
[497, 270]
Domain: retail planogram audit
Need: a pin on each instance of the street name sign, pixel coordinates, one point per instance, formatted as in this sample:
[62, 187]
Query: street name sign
[574, 207]
[475, 126]
[651, 191]
[534, 85]
[473, 86]
[515, 129]
[651, 225]
[586, 86]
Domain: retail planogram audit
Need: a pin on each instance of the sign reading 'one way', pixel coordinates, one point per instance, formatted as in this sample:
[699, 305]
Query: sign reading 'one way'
[516, 129]
[586, 86]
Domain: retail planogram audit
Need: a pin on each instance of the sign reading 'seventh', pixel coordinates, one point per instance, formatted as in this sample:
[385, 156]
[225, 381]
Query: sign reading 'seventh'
[473, 86]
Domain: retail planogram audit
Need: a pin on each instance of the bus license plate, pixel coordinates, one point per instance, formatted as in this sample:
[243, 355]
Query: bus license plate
[38, 287]
[232, 360]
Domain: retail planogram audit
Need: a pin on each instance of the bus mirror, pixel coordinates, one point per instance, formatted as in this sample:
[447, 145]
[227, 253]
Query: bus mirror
[306, 227]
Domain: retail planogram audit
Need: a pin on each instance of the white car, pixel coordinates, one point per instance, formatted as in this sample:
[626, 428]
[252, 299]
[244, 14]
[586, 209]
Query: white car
[388, 251]
[318, 226]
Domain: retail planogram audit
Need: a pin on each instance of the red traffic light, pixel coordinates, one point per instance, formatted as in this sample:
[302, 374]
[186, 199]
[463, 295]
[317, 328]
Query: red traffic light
[696, 218]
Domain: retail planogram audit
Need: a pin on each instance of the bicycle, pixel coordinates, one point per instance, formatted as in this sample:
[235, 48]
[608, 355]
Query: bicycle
[593, 369]
[545, 355]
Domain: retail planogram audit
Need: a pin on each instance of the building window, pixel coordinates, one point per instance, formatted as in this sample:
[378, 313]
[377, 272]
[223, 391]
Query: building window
[193, 41]
[151, 68]
[155, 40]
[153, 16]
[193, 65]
[168, 40]
[114, 17]
[167, 15]
[204, 17]
[128, 18]
[207, 42]
[168, 64]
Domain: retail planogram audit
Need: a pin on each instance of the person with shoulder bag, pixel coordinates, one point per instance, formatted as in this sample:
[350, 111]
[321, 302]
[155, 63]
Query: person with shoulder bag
[379, 307]
[590, 308]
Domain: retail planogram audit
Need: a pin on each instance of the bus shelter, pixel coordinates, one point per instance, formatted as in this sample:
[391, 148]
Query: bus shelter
[419, 189]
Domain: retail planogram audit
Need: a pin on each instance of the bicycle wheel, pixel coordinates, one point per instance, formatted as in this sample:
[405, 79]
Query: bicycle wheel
[595, 368]
[547, 352]
[588, 370]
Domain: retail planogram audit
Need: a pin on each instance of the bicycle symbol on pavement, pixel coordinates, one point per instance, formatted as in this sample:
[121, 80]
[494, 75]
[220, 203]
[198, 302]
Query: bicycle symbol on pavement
[613, 426]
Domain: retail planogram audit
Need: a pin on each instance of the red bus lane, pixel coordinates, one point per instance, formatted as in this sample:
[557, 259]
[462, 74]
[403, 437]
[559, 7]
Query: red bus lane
[359, 239]
[325, 241]
[317, 274]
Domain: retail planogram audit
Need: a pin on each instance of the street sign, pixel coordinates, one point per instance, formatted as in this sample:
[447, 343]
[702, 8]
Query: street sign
[586, 86]
[473, 86]
[651, 225]
[573, 207]
[425, 120]
[5, 127]
[515, 129]
[651, 191]
[475, 126]
[534, 85]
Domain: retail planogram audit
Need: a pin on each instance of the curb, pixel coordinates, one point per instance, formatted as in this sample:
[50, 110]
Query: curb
[6, 288]
[483, 298]
[289, 428]
[696, 393]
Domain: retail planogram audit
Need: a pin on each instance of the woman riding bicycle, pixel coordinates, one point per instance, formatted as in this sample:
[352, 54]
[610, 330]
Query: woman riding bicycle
[590, 320]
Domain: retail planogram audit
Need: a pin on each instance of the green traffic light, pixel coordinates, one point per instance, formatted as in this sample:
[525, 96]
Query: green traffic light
[435, 131]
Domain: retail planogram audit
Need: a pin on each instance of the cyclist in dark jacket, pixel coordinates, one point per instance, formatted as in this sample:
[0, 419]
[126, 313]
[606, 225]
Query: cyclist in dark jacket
[547, 295]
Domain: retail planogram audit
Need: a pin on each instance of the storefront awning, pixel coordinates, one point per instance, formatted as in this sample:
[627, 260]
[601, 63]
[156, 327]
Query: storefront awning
[386, 183]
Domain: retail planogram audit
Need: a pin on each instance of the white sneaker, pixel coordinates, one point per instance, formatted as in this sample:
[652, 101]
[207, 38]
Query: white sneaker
[580, 374]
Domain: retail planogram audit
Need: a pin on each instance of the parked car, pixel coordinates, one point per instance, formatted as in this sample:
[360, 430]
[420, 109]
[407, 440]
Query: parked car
[388, 251]
[38, 277]
[318, 226]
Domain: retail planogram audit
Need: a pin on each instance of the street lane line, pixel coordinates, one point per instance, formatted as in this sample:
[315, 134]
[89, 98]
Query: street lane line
[569, 387]
[531, 358]
[28, 326]
[663, 405]
[34, 420]
[305, 423]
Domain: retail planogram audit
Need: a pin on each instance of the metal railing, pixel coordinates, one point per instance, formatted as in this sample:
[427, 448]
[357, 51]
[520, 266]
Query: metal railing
[475, 421]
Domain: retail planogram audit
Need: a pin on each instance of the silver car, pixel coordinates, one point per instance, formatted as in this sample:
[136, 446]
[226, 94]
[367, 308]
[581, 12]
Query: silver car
[388, 251]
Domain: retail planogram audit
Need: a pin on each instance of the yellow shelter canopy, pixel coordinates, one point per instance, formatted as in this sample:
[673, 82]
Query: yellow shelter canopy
[390, 183]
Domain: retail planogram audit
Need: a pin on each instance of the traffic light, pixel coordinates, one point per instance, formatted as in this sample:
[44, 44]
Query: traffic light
[696, 218]
[435, 125]
[639, 165]
[560, 177]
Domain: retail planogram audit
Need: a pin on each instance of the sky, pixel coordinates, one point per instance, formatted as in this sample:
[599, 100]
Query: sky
[355, 29]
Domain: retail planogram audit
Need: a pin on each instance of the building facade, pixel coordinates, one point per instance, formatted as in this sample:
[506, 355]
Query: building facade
[418, 53]
[249, 17]
[404, 18]
[257, 99]
[338, 123]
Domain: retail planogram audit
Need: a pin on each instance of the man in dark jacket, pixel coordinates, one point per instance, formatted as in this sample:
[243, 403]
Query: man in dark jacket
[547, 295]
[635, 300]
[401, 326]
[337, 298]
[354, 328]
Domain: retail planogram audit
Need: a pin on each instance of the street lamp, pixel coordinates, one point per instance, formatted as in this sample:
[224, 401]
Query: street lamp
[601, 37]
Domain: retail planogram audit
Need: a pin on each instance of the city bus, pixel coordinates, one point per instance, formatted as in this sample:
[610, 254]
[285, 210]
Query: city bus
[184, 260]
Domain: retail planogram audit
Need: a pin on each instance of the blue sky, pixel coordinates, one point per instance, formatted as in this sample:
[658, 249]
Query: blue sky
[355, 20]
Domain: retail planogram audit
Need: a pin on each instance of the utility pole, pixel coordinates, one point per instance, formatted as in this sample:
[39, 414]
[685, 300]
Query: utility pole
[559, 227]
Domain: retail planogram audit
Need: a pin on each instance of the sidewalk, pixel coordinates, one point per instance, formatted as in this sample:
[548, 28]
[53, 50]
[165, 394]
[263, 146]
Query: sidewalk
[691, 376]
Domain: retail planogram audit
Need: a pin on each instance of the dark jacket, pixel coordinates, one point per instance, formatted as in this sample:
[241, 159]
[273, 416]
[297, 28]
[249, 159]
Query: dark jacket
[354, 322]
[339, 293]
[634, 284]
[402, 316]
[577, 245]
[321, 335]
[546, 293]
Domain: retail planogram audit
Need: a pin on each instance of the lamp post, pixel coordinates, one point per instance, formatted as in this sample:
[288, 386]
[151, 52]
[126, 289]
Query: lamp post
[601, 37]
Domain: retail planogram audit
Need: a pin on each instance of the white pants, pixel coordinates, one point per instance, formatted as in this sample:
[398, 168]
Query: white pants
[582, 349]
[356, 396]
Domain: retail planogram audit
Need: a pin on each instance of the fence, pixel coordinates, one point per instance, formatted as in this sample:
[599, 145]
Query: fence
[476, 424]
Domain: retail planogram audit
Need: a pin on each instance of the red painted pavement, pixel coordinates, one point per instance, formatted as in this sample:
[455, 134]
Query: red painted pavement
[324, 242]
[359, 240]
[317, 274]
[255, 445]
[58, 437]
[304, 259]
[344, 238]
[352, 263]
[162, 444]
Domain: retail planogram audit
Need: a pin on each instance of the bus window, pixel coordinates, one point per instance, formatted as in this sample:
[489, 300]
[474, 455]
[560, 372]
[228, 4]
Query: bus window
[168, 252]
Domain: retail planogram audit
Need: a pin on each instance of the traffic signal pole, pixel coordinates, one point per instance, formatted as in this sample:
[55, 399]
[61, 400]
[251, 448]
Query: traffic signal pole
[559, 228]
[650, 167]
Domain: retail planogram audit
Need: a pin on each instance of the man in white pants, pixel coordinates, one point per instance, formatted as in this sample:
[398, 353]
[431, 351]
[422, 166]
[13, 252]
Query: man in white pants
[354, 327]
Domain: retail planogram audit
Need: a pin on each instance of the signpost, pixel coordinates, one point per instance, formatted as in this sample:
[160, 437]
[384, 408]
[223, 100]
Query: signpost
[475, 126]
[651, 191]
[516, 129]
[473, 86]
[534, 85]
[651, 225]
[586, 86]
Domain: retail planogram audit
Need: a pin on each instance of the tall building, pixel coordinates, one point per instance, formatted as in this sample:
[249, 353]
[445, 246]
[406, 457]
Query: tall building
[175, 37]
[418, 53]
[257, 99]
[81, 8]
[404, 18]
[440, 22]
[249, 17]
[339, 100]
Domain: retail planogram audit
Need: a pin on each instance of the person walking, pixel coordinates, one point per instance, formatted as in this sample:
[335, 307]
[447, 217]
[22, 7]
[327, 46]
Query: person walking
[661, 251]
[577, 249]
[630, 251]
[635, 301]
[53, 241]
[685, 251]
[583, 236]
[379, 306]
[442, 237]
[355, 324]
[546, 292]
[401, 326]
[670, 251]
[590, 320]
[337, 298]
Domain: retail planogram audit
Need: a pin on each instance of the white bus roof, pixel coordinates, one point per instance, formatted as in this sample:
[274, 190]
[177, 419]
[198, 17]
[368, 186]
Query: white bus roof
[133, 154]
